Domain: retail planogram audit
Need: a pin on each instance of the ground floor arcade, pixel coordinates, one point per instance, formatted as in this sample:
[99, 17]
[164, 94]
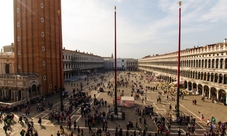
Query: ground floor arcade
[19, 87]
[15, 95]
[207, 89]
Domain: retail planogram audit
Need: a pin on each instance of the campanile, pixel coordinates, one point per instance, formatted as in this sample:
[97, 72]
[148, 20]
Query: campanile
[38, 40]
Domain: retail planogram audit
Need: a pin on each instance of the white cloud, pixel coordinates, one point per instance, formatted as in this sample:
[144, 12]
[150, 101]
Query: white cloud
[217, 13]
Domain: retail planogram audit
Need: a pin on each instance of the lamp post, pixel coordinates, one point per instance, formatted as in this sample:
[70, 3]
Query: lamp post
[115, 63]
[60, 60]
[178, 68]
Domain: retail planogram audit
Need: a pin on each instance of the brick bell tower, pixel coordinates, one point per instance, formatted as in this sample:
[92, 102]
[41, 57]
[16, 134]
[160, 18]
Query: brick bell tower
[38, 41]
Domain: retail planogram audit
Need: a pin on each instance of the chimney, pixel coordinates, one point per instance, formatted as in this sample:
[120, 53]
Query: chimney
[224, 40]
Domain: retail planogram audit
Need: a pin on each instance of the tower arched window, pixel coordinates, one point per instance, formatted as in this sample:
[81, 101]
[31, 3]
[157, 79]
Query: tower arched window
[41, 5]
[42, 19]
[43, 48]
[18, 10]
[42, 34]
[18, 24]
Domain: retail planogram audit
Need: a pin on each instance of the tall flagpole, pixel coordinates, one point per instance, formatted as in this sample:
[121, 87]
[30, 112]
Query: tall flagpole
[115, 62]
[178, 70]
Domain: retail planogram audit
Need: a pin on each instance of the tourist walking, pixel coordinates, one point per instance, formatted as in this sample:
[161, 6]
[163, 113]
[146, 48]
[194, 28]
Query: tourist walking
[40, 121]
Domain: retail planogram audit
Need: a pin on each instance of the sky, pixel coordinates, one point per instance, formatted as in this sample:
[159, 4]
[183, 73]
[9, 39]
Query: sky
[144, 27]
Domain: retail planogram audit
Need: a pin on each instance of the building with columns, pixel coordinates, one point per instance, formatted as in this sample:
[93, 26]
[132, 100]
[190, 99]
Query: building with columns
[80, 63]
[19, 88]
[202, 69]
[16, 88]
[123, 64]
[132, 64]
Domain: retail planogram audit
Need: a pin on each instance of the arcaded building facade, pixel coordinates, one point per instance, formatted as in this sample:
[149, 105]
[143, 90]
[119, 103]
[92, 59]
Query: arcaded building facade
[123, 64]
[38, 40]
[18, 88]
[202, 69]
[80, 63]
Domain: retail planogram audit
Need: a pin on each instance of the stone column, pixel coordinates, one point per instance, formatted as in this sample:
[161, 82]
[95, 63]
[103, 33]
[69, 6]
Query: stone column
[203, 91]
[188, 86]
[217, 94]
[3, 68]
[219, 63]
[209, 92]
[197, 88]
[225, 97]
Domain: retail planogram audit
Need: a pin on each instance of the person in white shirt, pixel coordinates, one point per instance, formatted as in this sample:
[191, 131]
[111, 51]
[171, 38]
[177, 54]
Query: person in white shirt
[208, 122]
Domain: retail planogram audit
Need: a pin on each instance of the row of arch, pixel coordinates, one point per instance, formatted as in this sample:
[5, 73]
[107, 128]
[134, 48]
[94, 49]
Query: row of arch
[82, 65]
[219, 78]
[208, 91]
[206, 76]
[218, 63]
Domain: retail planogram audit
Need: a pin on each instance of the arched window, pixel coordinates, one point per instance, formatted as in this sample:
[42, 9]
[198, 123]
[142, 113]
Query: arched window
[217, 63]
[225, 79]
[206, 63]
[209, 61]
[212, 63]
[221, 63]
[205, 75]
[212, 77]
[225, 63]
[7, 68]
[208, 76]
[202, 64]
[216, 78]
[220, 78]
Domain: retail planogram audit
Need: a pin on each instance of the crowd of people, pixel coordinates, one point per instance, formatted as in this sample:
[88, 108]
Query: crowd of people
[98, 121]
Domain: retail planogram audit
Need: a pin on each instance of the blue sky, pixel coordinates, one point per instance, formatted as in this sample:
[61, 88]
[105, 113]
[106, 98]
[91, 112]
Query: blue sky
[144, 27]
